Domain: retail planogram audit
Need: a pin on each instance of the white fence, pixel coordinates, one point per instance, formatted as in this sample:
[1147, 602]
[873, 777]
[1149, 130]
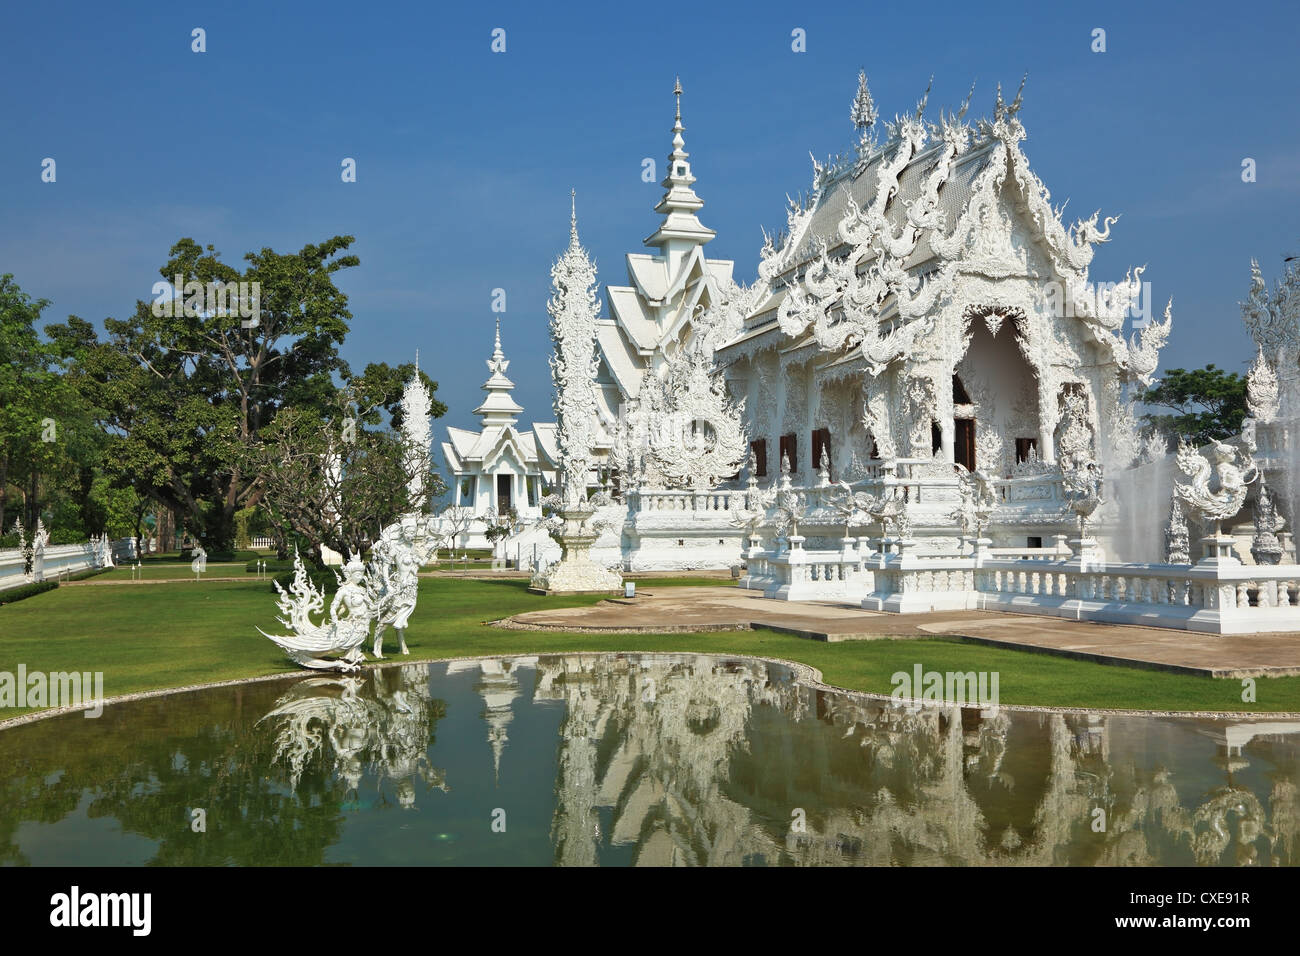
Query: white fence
[1223, 598]
[60, 560]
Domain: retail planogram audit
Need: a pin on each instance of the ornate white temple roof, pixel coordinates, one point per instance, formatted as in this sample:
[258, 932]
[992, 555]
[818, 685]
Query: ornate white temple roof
[651, 315]
[533, 447]
[892, 233]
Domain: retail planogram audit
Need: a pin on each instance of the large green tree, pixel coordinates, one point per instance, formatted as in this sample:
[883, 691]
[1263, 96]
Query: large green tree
[1203, 404]
[49, 447]
[181, 394]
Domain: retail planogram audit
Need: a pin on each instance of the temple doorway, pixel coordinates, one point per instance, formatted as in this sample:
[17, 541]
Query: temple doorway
[963, 451]
[503, 493]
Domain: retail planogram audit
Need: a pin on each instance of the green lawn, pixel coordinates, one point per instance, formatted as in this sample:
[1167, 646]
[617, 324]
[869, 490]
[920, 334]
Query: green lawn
[175, 571]
[168, 635]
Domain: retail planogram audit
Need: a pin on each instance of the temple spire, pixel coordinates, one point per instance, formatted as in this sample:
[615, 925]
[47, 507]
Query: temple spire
[573, 215]
[499, 408]
[680, 229]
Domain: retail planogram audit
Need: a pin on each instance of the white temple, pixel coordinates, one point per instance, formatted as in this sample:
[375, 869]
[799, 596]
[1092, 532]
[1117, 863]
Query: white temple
[502, 467]
[923, 402]
[650, 318]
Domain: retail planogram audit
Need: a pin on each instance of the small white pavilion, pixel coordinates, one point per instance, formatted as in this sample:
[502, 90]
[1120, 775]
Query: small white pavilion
[501, 467]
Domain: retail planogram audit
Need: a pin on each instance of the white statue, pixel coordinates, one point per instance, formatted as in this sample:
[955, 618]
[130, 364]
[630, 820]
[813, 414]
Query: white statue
[1176, 543]
[978, 500]
[336, 642]
[40, 539]
[1216, 491]
[24, 547]
[1081, 474]
[1265, 546]
[402, 549]
[200, 562]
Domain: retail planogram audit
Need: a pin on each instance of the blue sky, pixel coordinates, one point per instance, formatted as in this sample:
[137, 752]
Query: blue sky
[465, 157]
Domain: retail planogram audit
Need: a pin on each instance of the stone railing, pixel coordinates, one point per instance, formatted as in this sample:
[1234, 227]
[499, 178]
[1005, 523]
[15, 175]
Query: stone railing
[1223, 598]
[796, 574]
[703, 502]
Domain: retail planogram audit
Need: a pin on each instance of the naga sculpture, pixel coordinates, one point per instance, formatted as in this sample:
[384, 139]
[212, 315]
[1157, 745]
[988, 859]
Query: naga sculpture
[1217, 488]
[335, 643]
[200, 562]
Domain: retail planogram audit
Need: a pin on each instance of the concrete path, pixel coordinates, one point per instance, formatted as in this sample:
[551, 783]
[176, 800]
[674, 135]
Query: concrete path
[661, 610]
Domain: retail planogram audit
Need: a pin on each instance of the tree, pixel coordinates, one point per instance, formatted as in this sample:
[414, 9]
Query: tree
[49, 447]
[183, 394]
[332, 477]
[1207, 403]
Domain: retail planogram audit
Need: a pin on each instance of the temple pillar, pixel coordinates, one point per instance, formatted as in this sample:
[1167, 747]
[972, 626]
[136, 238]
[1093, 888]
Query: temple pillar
[1047, 417]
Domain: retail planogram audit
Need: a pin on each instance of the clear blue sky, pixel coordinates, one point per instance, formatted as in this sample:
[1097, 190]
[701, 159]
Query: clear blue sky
[465, 158]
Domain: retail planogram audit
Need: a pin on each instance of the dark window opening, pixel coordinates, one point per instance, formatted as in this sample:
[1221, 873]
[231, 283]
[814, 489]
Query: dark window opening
[1035, 541]
[504, 483]
[936, 438]
[789, 449]
[964, 443]
[959, 394]
[759, 448]
[1024, 448]
[821, 442]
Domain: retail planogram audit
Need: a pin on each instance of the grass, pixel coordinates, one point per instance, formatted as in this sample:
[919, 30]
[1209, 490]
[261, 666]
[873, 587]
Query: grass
[170, 635]
[177, 571]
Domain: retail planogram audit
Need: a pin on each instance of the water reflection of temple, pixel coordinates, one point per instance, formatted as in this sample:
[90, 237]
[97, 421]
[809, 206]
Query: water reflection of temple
[707, 761]
[381, 723]
[499, 687]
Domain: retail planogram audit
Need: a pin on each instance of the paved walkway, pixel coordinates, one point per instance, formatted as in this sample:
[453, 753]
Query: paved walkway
[713, 609]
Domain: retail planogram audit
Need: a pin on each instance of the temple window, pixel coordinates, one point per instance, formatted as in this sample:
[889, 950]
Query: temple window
[936, 438]
[1026, 448]
[759, 448]
[790, 449]
[532, 491]
[821, 441]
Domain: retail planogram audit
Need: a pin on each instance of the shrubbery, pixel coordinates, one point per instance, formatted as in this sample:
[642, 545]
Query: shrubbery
[26, 590]
[272, 564]
[324, 580]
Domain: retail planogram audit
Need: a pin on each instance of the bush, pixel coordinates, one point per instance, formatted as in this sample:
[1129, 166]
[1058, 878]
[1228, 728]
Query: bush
[324, 580]
[26, 591]
[272, 564]
[187, 554]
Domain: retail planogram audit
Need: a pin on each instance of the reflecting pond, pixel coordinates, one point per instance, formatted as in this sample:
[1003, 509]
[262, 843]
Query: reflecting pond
[620, 759]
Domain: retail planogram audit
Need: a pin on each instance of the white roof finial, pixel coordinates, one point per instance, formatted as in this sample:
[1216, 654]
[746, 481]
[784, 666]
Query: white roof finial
[677, 91]
[573, 214]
